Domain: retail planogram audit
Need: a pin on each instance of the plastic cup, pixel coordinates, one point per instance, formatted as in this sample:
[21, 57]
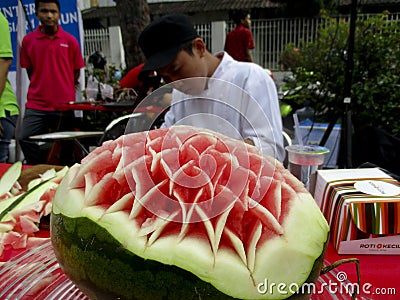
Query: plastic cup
[304, 161]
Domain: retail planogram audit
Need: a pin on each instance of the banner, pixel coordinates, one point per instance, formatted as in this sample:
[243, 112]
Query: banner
[70, 20]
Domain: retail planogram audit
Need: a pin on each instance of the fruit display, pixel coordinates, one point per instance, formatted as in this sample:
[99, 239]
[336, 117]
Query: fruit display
[186, 213]
[23, 206]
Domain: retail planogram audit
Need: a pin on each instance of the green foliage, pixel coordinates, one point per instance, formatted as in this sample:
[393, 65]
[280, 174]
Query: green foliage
[319, 70]
[108, 75]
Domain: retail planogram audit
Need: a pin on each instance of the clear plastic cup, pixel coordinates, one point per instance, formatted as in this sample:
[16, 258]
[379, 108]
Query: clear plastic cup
[304, 161]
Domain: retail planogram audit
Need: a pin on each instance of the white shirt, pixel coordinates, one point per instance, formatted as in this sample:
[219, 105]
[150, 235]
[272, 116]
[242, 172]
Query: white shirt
[240, 101]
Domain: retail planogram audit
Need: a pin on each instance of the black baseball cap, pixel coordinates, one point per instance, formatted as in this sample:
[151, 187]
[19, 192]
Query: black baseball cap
[162, 39]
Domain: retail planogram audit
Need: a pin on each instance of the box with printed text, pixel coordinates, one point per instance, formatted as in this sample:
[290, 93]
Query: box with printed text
[362, 207]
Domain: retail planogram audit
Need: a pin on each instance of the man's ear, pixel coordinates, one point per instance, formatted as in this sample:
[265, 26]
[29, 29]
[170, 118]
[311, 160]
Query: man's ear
[199, 46]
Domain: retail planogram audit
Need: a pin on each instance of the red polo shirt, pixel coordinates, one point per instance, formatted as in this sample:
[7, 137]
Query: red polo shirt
[237, 41]
[131, 79]
[53, 61]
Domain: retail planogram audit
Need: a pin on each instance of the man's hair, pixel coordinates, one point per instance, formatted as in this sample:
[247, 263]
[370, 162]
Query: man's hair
[46, 1]
[187, 47]
[239, 15]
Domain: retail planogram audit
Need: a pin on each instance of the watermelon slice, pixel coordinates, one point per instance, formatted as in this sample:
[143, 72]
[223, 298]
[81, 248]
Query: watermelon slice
[9, 179]
[21, 211]
[185, 213]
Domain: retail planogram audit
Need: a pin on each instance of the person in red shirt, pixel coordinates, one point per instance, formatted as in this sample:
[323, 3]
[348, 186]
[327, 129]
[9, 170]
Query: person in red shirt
[239, 42]
[52, 59]
[143, 83]
[131, 79]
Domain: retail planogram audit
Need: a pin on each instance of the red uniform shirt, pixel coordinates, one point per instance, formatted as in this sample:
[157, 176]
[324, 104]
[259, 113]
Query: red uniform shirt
[131, 79]
[53, 61]
[238, 41]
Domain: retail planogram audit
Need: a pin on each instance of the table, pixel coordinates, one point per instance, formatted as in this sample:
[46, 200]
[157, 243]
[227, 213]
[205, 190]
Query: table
[111, 107]
[380, 274]
[112, 112]
[68, 135]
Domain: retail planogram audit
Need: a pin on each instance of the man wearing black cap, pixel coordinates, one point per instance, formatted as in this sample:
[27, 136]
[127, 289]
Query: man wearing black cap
[212, 91]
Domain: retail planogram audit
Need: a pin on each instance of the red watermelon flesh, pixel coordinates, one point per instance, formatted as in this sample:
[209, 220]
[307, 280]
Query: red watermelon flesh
[185, 175]
[187, 183]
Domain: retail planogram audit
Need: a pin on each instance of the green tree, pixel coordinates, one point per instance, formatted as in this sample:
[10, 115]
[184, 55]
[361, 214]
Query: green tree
[134, 16]
[319, 71]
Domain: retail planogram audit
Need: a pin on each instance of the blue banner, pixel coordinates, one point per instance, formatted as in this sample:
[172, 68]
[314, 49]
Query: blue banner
[69, 19]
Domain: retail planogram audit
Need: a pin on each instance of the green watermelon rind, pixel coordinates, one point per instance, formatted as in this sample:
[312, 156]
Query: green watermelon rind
[303, 243]
[106, 263]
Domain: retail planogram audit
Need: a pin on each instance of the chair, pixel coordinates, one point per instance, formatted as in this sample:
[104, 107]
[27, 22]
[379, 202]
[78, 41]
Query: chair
[117, 127]
[287, 140]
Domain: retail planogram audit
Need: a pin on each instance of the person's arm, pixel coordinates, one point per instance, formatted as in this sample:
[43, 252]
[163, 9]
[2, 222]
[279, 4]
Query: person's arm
[249, 55]
[250, 47]
[5, 64]
[264, 126]
[29, 72]
[77, 74]
[169, 118]
[77, 59]
[25, 61]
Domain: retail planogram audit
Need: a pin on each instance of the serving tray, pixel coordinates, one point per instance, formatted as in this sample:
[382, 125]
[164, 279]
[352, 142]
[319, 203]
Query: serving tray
[35, 274]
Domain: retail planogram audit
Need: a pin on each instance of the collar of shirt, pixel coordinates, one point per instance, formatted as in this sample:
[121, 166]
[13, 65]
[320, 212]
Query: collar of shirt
[241, 26]
[225, 61]
[216, 85]
[41, 35]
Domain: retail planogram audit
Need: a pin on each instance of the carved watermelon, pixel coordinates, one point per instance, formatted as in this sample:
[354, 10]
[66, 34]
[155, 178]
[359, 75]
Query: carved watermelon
[185, 213]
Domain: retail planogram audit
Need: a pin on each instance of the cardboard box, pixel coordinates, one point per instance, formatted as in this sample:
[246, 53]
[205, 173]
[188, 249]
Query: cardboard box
[362, 207]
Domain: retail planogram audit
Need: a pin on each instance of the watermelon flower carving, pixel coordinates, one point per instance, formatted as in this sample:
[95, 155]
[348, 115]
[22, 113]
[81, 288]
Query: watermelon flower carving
[194, 199]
